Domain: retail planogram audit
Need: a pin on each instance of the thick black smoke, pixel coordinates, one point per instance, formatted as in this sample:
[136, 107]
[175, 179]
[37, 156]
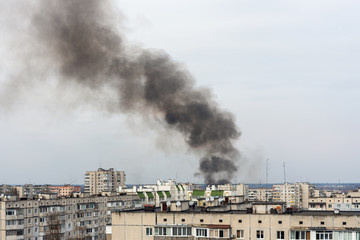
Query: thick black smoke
[80, 39]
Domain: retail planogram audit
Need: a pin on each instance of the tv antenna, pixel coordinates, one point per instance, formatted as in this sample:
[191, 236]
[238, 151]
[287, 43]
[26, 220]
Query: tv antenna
[267, 179]
[284, 172]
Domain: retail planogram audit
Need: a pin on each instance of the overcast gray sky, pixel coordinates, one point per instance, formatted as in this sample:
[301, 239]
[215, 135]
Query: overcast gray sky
[287, 70]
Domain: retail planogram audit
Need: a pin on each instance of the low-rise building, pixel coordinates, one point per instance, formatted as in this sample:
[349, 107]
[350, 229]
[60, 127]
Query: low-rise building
[65, 191]
[184, 223]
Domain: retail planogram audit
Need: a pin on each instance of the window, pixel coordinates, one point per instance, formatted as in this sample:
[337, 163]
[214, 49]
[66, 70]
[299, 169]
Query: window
[280, 235]
[221, 233]
[344, 223]
[279, 222]
[201, 220]
[299, 235]
[322, 223]
[148, 231]
[220, 220]
[259, 234]
[181, 231]
[240, 234]
[259, 221]
[324, 235]
[162, 231]
[182, 220]
[165, 219]
[300, 222]
[345, 235]
[240, 221]
[201, 232]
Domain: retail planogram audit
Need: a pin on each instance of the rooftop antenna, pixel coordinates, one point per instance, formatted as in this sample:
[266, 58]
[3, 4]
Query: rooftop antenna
[267, 178]
[284, 173]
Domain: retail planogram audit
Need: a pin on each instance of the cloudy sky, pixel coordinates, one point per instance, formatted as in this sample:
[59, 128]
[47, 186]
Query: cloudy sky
[287, 70]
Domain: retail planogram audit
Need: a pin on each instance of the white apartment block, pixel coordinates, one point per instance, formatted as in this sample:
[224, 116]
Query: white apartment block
[260, 194]
[295, 195]
[104, 180]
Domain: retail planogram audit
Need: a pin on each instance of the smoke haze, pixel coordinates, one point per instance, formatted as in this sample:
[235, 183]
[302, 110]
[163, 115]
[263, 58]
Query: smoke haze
[79, 39]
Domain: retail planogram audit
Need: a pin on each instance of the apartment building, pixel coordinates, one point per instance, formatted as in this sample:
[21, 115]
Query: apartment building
[295, 195]
[233, 189]
[260, 194]
[183, 223]
[104, 180]
[77, 217]
[343, 203]
[65, 191]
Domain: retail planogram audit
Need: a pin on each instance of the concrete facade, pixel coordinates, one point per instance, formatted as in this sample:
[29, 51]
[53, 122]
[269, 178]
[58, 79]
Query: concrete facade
[235, 225]
[103, 180]
[60, 218]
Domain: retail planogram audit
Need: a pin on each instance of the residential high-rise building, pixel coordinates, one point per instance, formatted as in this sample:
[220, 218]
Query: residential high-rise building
[80, 217]
[104, 181]
[295, 195]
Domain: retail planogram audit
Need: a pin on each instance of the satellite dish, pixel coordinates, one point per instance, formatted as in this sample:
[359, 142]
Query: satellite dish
[178, 203]
[191, 203]
[168, 203]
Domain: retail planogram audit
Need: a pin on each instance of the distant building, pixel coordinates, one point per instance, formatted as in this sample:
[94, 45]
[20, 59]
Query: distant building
[163, 191]
[295, 195]
[104, 181]
[260, 194]
[65, 191]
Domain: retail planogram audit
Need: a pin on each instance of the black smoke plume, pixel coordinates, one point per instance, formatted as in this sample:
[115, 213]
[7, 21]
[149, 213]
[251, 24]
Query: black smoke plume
[80, 39]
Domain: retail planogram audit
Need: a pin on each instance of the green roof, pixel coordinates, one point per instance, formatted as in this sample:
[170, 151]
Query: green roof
[198, 193]
[141, 195]
[149, 194]
[217, 193]
[177, 187]
[167, 194]
[182, 187]
[160, 194]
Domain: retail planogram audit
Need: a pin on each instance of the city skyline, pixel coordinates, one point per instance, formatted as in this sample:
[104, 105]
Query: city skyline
[287, 71]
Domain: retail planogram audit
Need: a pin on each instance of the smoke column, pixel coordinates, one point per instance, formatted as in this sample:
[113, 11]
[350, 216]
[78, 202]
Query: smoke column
[78, 37]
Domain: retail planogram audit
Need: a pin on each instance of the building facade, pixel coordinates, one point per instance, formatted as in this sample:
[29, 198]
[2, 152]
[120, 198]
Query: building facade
[65, 191]
[60, 218]
[104, 180]
[235, 225]
[295, 195]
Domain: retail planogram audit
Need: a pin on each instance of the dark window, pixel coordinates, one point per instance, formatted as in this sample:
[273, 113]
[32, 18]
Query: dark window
[240, 221]
[165, 219]
[344, 223]
[280, 222]
[221, 233]
[259, 221]
[280, 235]
[220, 220]
[183, 220]
[201, 220]
[322, 223]
[300, 222]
